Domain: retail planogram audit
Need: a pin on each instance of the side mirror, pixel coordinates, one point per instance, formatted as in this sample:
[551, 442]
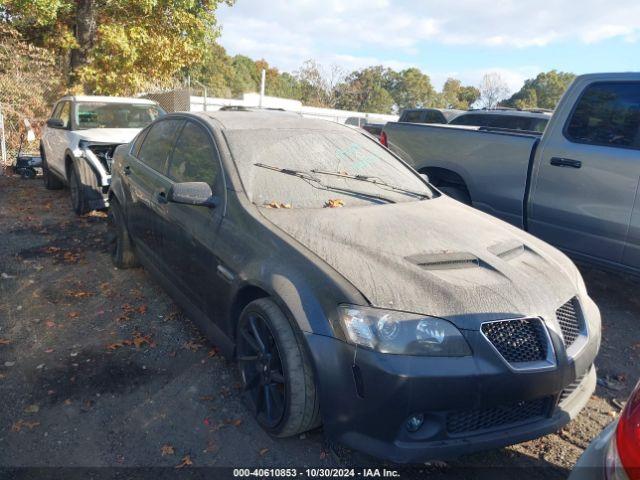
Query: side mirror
[55, 123]
[425, 177]
[192, 193]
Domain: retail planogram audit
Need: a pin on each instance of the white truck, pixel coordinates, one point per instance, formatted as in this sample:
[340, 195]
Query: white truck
[79, 139]
[577, 185]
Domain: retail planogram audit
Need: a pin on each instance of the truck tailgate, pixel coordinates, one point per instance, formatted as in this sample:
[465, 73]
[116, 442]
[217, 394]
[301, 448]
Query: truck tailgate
[494, 165]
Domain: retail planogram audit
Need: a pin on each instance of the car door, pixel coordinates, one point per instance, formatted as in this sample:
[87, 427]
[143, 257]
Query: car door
[192, 231]
[587, 174]
[58, 138]
[148, 186]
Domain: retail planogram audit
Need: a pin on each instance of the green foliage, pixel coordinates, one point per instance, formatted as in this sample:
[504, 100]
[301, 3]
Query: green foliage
[119, 46]
[413, 89]
[544, 91]
[455, 95]
[364, 90]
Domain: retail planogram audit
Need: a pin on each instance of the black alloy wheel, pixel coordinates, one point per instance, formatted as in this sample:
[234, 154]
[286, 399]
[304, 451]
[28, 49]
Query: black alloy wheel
[262, 371]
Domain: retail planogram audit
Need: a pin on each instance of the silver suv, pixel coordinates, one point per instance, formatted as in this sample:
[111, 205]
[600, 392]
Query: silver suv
[79, 140]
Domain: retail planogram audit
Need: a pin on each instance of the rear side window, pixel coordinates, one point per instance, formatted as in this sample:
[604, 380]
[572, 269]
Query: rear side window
[158, 143]
[412, 117]
[607, 114]
[434, 117]
[137, 142]
[194, 159]
[475, 120]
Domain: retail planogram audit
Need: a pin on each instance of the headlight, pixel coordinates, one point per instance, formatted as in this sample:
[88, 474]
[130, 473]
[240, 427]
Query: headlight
[390, 331]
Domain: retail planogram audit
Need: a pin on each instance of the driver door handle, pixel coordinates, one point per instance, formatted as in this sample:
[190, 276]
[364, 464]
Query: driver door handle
[565, 162]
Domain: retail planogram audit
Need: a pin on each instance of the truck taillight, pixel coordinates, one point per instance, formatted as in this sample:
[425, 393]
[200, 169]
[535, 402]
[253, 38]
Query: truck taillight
[383, 139]
[628, 436]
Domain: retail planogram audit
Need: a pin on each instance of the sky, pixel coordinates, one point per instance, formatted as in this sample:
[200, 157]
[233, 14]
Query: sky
[460, 38]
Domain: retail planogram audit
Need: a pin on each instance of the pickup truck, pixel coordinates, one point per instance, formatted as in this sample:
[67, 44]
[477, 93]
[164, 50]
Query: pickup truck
[576, 185]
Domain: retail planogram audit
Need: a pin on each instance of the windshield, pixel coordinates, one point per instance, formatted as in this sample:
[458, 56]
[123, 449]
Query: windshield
[115, 115]
[319, 153]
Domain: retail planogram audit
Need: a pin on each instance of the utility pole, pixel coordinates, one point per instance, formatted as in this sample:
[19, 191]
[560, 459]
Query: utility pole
[262, 81]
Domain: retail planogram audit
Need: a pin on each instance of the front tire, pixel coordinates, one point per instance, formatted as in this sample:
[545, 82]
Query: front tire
[122, 252]
[276, 371]
[85, 191]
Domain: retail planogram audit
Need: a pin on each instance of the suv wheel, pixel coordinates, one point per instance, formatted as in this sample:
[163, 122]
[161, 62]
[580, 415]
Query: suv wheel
[83, 184]
[276, 372]
[122, 252]
[51, 182]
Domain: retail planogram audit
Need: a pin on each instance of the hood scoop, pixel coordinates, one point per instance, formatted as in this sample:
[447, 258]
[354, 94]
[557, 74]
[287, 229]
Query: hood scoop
[445, 260]
[507, 250]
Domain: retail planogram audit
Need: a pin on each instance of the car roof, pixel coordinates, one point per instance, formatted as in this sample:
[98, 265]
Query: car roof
[508, 112]
[266, 119]
[106, 99]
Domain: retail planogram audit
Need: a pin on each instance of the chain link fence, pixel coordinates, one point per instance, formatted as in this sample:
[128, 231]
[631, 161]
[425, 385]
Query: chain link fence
[30, 81]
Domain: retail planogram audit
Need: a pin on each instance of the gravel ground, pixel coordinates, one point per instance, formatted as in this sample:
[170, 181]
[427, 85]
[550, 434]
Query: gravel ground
[98, 368]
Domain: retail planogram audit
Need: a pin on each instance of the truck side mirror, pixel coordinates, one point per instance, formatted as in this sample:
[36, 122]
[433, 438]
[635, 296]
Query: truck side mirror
[55, 123]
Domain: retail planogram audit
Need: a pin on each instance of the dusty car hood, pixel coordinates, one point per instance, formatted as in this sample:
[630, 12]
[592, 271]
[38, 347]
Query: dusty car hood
[436, 257]
[108, 135]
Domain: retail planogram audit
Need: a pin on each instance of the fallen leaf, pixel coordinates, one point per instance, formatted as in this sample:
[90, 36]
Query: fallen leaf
[263, 451]
[186, 461]
[167, 449]
[31, 425]
[32, 409]
[236, 422]
[50, 324]
[275, 204]
[73, 314]
[67, 401]
[334, 203]
[4, 341]
[49, 350]
[193, 346]
[211, 447]
[212, 353]
[207, 398]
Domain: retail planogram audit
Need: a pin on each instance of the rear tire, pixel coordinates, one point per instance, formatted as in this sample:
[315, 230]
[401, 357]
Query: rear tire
[51, 182]
[122, 253]
[85, 191]
[281, 371]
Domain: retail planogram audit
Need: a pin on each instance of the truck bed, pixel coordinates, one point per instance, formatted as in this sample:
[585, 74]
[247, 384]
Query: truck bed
[484, 157]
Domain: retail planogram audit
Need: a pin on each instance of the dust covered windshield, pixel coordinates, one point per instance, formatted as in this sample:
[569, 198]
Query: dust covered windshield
[317, 165]
[115, 115]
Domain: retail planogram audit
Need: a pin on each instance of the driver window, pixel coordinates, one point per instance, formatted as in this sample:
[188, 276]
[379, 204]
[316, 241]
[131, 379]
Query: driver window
[65, 115]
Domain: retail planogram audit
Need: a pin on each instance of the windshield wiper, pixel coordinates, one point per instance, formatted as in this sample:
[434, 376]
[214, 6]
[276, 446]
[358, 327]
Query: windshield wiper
[375, 180]
[304, 175]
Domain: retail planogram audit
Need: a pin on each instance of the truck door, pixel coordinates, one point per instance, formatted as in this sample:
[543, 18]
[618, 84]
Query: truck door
[58, 138]
[587, 173]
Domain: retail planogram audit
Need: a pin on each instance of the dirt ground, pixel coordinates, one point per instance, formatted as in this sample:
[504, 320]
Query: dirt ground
[98, 368]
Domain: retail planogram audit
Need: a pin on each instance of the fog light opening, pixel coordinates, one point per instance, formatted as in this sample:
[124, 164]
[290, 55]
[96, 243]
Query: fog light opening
[415, 422]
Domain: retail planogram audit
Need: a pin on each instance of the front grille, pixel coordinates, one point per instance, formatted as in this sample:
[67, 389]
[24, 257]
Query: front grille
[566, 393]
[497, 417]
[569, 320]
[520, 340]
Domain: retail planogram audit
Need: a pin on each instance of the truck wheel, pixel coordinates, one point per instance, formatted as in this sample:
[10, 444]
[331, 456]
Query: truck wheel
[84, 187]
[276, 372]
[457, 193]
[51, 182]
[122, 252]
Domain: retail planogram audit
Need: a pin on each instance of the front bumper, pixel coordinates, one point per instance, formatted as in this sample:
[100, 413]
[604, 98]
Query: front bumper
[468, 403]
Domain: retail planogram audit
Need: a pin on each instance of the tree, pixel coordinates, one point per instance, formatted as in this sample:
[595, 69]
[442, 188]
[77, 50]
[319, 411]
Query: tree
[492, 89]
[215, 71]
[543, 91]
[455, 95]
[319, 87]
[117, 46]
[364, 91]
[412, 89]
